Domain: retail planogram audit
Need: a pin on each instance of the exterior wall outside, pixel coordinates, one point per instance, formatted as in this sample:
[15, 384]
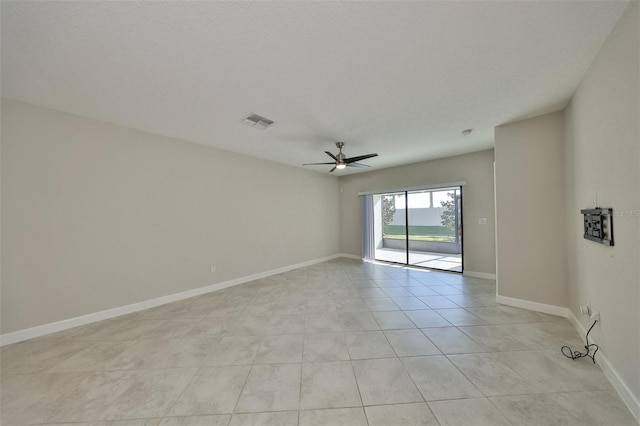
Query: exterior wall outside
[419, 216]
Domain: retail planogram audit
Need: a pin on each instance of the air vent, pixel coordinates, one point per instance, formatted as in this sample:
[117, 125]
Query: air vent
[258, 121]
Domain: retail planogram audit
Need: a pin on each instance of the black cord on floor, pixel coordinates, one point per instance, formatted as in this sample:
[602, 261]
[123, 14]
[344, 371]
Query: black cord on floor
[566, 350]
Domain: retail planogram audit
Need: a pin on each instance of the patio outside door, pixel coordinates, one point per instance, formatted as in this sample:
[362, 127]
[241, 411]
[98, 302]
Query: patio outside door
[420, 228]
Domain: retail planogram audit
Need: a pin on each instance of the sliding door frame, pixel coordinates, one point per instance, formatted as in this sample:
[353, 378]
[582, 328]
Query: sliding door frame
[458, 186]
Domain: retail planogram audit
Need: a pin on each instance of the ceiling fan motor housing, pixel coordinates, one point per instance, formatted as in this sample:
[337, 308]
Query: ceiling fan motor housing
[341, 160]
[341, 157]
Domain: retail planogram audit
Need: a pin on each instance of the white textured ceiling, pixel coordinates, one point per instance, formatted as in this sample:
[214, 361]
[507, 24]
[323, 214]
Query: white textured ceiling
[399, 78]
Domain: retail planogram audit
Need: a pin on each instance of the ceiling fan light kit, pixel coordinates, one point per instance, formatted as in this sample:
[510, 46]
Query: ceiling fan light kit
[341, 161]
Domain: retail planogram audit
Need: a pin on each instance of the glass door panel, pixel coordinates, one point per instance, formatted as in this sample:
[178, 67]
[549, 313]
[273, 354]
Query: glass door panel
[389, 223]
[434, 218]
[420, 228]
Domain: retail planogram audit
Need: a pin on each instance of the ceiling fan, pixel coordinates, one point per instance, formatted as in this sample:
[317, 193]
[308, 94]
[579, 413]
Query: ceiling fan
[341, 160]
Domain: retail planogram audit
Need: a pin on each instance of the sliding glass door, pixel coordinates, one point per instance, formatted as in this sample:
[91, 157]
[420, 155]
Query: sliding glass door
[389, 224]
[420, 228]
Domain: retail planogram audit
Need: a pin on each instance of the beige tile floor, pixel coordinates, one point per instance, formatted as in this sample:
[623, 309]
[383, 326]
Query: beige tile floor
[339, 343]
[433, 260]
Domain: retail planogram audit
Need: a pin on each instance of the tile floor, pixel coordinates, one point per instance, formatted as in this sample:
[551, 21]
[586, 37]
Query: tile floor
[425, 259]
[339, 343]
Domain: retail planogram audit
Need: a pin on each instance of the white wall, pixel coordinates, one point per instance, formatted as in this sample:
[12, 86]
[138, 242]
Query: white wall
[421, 216]
[548, 168]
[96, 216]
[530, 210]
[476, 169]
[602, 156]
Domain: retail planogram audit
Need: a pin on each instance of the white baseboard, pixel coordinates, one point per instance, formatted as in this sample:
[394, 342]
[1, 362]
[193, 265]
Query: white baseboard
[54, 327]
[631, 401]
[533, 306]
[349, 256]
[479, 275]
[618, 384]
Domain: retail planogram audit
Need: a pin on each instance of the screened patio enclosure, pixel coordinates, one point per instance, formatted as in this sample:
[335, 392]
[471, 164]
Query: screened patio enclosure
[418, 228]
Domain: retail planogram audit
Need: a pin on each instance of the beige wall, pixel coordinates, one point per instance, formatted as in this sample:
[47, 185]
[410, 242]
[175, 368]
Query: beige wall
[548, 168]
[530, 210]
[603, 157]
[476, 169]
[96, 216]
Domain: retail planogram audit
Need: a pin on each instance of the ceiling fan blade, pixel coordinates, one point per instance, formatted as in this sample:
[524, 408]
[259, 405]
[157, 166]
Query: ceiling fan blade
[334, 167]
[362, 157]
[331, 155]
[357, 165]
[317, 164]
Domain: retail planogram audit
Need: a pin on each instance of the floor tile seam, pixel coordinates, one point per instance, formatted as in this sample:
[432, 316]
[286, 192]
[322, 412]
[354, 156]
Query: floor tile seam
[474, 340]
[239, 413]
[244, 385]
[248, 412]
[495, 323]
[61, 397]
[259, 346]
[440, 349]
[419, 356]
[484, 398]
[463, 374]
[193, 378]
[301, 379]
[432, 310]
[487, 351]
[398, 329]
[268, 364]
[462, 398]
[541, 393]
[522, 379]
[374, 318]
[100, 417]
[331, 408]
[464, 309]
[607, 390]
[99, 370]
[404, 368]
[392, 404]
[179, 417]
[355, 377]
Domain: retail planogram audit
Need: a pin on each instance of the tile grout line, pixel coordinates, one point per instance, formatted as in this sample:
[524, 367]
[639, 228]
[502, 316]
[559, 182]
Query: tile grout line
[183, 390]
[242, 296]
[355, 377]
[301, 368]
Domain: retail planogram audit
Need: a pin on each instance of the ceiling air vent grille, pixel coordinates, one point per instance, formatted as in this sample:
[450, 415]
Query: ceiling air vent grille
[257, 121]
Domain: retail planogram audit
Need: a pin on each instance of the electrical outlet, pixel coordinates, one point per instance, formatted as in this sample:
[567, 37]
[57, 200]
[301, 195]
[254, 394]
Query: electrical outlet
[595, 316]
[585, 310]
[213, 269]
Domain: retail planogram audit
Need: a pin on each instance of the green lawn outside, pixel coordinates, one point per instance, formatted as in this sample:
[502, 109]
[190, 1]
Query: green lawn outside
[420, 233]
[421, 238]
